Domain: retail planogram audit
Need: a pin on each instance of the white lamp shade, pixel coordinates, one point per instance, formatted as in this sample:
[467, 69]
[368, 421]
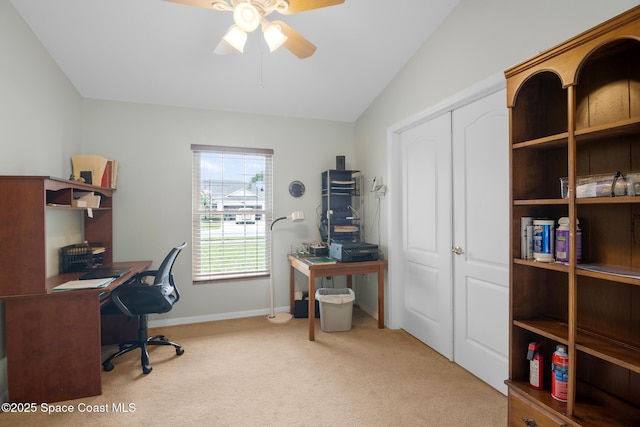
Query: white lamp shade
[236, 38]
[297, 216]
[246, 16]
[274, 37]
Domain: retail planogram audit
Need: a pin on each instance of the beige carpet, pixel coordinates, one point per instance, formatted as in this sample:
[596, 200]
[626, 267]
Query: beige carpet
[250, 372]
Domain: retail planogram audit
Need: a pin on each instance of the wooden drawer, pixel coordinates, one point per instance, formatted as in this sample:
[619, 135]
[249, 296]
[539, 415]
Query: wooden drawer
[523, 413]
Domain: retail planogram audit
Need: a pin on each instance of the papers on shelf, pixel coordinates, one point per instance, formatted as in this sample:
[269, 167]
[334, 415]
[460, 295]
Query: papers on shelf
[84, 284]
[345, 228]
[87, 163]
[101, 171]
[320, 260]
[85, 199]
[610, 269]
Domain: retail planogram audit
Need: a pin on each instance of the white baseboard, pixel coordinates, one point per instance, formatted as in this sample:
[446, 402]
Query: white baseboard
[370, 311]
[236, 315]
[212, 317]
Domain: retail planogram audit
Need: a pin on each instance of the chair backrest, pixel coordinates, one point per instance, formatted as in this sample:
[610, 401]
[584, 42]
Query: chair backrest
[138, 297]
[164, 271]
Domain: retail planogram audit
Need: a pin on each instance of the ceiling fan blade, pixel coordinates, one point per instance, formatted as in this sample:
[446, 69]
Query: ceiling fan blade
[296, 6]
[298, 45]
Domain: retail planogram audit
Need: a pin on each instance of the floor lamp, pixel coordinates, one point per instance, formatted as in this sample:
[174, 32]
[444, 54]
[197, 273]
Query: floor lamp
[280, 317]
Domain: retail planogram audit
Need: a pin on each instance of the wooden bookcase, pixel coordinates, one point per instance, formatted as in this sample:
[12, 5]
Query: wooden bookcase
[575, 112]
[25, 200]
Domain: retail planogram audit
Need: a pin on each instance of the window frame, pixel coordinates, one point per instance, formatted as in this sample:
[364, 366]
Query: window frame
[261, 246]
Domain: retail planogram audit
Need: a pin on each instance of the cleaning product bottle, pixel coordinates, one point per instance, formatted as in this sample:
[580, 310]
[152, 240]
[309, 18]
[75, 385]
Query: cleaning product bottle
[560, 373]
[543, 240]
[534, 355]
[562, 241]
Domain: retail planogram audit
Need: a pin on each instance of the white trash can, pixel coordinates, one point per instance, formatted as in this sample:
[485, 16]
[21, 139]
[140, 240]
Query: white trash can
[336, 309]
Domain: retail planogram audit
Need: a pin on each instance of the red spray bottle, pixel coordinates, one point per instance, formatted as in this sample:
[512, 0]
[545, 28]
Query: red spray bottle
[534, 355]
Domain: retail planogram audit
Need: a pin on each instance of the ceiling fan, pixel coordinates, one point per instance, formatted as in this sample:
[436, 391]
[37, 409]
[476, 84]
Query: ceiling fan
[249, 14]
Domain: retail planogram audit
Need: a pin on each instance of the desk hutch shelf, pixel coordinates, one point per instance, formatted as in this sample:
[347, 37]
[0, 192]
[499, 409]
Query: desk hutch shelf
[575, 112]
[25, 200]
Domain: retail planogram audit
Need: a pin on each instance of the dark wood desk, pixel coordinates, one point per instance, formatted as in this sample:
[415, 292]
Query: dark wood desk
[313, 271]
[53, 340]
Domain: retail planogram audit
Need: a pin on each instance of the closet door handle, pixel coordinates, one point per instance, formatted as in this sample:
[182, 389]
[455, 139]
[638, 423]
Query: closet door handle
[457, 250]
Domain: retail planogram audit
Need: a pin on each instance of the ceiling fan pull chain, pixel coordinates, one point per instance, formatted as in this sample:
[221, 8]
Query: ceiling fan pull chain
[261, 65]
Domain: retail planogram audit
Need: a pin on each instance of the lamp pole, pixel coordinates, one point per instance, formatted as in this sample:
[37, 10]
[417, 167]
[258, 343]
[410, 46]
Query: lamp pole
[273, 316]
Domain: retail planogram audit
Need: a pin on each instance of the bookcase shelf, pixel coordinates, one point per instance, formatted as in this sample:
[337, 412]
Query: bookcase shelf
[575, 112]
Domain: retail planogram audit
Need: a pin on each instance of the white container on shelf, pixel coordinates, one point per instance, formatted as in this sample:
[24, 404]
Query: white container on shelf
[543, 240]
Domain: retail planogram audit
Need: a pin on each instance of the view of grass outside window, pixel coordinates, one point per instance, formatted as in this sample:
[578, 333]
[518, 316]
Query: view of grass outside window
[231, 197]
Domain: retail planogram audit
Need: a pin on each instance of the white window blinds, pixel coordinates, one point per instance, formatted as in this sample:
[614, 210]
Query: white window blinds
[232, 207]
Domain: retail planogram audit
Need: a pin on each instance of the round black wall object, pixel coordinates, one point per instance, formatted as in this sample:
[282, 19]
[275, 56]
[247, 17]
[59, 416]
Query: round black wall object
[296, 188]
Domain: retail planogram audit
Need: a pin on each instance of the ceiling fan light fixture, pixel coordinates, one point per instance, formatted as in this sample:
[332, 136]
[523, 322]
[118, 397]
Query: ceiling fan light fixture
[246, 16]
[236, 38]
[249, 14]
[274, 37]
[224, 48]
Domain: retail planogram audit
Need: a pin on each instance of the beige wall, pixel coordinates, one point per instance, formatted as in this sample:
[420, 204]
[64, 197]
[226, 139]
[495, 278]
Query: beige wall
[39, 116]
[39, 108]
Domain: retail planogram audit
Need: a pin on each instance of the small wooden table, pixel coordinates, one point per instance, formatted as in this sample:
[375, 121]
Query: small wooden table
[313, 271]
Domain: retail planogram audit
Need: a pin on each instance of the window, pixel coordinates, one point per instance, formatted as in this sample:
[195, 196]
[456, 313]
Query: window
[231, 198]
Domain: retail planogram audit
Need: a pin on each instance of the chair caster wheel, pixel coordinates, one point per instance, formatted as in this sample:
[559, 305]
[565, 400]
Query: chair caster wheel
[146, 369]
[179, 351]
[107, 367]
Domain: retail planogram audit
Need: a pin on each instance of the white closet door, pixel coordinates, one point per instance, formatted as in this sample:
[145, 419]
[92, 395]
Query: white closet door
[481, 232]
[449, 276]
[426, 233]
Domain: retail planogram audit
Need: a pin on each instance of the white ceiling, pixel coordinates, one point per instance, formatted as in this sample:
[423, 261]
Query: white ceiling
[157, 52]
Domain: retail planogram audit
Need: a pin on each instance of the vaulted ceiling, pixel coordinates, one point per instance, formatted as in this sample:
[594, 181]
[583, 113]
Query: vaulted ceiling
[159, 52]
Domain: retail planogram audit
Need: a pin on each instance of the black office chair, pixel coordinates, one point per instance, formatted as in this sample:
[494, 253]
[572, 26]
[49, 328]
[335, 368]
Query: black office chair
[137, 298]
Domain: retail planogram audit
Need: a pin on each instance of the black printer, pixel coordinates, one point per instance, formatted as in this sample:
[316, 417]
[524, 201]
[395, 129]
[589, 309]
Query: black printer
[353, 251]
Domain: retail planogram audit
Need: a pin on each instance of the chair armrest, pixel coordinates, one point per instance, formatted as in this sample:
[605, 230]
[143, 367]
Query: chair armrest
[118, 302]
[137, 279]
